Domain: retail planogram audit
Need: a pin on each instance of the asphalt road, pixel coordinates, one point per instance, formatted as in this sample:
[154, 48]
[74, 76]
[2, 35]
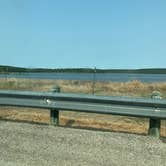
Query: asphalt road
[30, 144]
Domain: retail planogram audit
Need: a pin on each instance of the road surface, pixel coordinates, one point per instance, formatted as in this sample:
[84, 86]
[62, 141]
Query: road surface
[40, 145]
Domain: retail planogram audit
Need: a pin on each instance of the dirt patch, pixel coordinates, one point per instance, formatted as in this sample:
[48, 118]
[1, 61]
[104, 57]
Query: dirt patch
[81, 120]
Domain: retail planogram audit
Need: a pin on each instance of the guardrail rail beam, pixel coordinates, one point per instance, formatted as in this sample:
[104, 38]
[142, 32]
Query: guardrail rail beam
[152, 108]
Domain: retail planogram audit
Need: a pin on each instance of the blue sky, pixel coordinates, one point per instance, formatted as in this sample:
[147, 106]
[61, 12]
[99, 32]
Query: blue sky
[83, 33]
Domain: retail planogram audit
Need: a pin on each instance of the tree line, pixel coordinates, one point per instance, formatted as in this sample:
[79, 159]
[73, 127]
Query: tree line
[12, 69]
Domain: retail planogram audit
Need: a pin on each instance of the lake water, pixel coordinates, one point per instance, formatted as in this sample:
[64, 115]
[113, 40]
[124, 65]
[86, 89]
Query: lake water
[117, 77]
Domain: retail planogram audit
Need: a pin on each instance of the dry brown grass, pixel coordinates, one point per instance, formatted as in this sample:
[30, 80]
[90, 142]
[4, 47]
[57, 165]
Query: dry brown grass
[132, 88]
[81, 120]
[96, 121]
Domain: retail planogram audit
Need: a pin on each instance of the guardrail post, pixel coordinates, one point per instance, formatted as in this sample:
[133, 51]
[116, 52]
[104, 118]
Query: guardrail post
[154, 124]
[54, 114]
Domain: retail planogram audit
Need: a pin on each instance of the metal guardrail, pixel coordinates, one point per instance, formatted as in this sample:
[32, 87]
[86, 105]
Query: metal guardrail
[155, 109]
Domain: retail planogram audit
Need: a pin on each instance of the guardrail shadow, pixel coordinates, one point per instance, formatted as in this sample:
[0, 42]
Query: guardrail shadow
[69, 124]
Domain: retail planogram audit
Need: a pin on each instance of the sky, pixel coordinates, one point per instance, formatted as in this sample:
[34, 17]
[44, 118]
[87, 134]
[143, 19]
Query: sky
[128, 34]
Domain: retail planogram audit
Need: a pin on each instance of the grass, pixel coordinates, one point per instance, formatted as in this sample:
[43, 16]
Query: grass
[131, 88]
[75, 119]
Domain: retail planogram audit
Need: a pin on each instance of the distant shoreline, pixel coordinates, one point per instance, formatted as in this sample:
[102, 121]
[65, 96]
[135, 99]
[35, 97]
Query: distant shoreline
[12, 69]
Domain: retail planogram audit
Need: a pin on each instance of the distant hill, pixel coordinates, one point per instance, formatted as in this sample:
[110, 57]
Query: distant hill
[12, 69]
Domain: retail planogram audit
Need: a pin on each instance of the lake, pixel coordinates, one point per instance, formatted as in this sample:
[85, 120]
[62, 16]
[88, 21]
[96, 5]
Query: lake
[116, 77]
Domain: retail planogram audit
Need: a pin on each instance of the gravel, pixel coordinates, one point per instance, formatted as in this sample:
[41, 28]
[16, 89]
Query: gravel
[40, 145]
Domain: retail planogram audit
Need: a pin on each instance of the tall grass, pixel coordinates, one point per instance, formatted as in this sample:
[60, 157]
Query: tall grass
[131, 88]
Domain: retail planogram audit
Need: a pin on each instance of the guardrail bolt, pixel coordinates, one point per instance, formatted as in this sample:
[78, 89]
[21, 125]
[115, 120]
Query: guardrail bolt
[155, 124]
[54, 113]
